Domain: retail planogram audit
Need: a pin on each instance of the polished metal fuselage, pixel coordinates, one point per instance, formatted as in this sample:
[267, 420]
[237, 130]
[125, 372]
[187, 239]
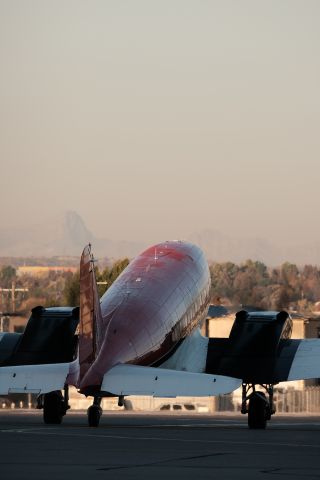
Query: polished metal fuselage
[159, 299]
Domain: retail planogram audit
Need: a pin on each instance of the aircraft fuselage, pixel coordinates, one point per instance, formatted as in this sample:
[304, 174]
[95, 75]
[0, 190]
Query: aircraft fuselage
[159, 299]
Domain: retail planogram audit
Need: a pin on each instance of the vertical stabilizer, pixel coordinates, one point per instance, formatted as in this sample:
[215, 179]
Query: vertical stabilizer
[90, 313]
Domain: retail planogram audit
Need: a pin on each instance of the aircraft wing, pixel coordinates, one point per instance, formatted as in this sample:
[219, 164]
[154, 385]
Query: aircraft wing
[125, 379]
[306, 361]
[44, 357]
[37, 378]
[292, 360]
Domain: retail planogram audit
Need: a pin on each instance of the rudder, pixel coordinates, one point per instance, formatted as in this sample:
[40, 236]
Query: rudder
[90, 313]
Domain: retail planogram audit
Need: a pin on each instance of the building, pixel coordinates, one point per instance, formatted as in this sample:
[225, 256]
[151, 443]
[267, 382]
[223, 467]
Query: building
[43, 271]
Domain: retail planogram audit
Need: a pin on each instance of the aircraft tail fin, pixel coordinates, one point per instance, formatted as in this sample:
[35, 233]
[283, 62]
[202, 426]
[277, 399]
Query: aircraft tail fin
[90, 313]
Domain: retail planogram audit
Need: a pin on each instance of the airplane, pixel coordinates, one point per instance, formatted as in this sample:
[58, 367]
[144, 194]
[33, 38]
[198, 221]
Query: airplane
[143, 338]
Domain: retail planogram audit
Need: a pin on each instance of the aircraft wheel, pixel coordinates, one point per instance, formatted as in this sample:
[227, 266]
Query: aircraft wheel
[94, 415]
[258, 411]
[53, 410]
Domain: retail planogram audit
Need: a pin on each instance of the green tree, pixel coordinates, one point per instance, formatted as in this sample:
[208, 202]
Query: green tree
[110, 274]
[222, 278]
[279, 297]
[310, 283]
[250, 283]
[7, 276]
[71, 292]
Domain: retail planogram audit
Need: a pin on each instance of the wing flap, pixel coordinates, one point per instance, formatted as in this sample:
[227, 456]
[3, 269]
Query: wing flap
[37, 378]
[160, 382]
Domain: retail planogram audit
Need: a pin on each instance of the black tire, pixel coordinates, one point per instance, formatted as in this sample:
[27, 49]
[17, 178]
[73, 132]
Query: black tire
[53, 410]
[258, 411]
[94, 415]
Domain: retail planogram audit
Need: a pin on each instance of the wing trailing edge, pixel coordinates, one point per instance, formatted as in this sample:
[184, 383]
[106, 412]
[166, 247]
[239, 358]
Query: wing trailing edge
[306, 361]
[124, 379]
[37, 378]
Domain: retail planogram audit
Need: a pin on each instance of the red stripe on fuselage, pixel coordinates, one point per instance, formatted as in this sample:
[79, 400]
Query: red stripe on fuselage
[156, 302]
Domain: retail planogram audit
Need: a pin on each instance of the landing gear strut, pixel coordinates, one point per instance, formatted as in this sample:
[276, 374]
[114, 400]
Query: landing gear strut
[54, 405]
[94, 412]
[257, 405]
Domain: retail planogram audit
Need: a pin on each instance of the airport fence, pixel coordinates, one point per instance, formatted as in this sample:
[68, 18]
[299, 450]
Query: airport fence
[298, 401]
[289, 400]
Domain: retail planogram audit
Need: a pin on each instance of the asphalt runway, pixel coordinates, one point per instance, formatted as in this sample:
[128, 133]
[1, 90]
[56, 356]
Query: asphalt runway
[157, 446]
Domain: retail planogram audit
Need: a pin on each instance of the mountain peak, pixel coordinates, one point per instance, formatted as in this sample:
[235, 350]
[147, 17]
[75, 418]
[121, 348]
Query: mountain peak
[75, 231]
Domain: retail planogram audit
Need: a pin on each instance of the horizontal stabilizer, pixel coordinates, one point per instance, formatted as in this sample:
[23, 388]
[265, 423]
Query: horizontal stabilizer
[37, 378]
[160, 382]
[306, 362]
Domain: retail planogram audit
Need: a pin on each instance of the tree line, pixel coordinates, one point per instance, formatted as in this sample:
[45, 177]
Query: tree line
[54, 289]
[105, 277]
[248, 283]
[253, 283]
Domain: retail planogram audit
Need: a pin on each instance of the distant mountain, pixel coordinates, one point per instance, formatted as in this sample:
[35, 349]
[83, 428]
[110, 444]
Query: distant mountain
[221, 248]
[61, 236]
[66, 235]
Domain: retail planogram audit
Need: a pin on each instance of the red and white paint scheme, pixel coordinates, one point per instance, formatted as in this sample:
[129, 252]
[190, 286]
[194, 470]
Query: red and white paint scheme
[149, 318]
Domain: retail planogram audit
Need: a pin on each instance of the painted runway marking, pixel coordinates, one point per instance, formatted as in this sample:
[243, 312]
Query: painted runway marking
[159, 426]
[24, 430]
[185, 425]
[161, 439]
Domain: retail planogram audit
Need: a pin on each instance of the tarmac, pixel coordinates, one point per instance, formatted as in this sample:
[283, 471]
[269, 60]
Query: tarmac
[132, 445]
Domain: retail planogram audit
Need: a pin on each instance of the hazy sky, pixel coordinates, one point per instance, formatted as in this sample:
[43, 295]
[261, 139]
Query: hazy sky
[155, 119]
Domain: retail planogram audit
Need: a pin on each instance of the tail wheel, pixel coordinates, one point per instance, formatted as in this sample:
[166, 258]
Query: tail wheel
[258, 411]
[94, 415]
[53, 407]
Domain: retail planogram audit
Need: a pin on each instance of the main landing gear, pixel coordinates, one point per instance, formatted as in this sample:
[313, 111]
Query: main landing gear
[94, 412]
[258, 405]
[54, 405]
